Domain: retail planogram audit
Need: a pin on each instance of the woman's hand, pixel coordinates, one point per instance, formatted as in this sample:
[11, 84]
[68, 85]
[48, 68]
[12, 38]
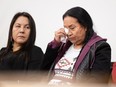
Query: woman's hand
[59, 34]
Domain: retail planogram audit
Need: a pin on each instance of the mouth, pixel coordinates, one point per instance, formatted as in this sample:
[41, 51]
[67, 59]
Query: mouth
[70, 38]
[21, 37]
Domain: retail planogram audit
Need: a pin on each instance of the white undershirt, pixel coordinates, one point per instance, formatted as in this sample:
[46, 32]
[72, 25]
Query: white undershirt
[64, 67]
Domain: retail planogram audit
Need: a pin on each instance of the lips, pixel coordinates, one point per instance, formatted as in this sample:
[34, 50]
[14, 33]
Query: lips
[21, 37]
[69, 37]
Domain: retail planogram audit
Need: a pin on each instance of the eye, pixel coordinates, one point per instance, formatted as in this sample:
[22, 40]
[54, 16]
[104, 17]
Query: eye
[27, 27]
[17, 26]
[72, 27]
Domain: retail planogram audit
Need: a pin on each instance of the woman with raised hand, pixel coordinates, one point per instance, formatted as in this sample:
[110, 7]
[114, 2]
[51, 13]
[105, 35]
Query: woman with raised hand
[64, 60]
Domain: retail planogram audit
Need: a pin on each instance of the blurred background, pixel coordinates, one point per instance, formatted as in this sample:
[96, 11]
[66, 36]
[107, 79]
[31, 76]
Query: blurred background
[48, 18]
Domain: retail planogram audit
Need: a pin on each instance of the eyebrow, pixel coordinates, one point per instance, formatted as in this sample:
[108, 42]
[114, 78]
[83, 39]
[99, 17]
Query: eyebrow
[69, 25]
[72, 25]
[20, 24]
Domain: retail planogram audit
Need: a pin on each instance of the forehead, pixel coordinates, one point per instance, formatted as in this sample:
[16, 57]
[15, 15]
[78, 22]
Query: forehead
[68, 20]
[22, 20]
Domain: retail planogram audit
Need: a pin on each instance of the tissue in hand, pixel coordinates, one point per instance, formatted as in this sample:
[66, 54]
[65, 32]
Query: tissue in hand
[63, 39]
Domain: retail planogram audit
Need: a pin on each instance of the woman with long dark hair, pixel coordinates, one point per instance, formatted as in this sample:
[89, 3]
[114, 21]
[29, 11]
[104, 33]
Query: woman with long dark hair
[67, 62]
[20, 52]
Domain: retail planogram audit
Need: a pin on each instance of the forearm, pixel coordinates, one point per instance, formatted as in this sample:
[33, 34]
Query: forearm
[102, 64]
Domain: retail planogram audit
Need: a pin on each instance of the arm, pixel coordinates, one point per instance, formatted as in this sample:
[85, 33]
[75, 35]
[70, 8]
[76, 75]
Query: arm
[50, 54]
[101, 67]
[36, 58]
[52, 49]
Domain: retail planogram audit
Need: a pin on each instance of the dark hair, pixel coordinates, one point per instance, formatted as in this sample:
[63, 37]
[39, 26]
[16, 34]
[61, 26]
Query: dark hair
[26, 48]
[83, 18]
[31, 40]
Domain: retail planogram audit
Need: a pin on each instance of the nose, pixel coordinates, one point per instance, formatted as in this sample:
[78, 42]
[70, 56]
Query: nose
[66, 30]
[69, 33]
[21, 30]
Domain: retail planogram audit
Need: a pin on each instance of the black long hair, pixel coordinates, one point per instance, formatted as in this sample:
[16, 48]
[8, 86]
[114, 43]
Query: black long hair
[83, 18]
[26, 48]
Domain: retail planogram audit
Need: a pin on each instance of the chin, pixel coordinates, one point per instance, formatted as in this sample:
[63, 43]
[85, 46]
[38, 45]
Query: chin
[21, 42]
[72, 42]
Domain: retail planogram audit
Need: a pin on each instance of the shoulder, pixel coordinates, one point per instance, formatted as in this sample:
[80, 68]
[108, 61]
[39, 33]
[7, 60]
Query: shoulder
[103, 44]
[36, 50]
[103, 51]
[2, 49]
[36, 53]
[98, 41]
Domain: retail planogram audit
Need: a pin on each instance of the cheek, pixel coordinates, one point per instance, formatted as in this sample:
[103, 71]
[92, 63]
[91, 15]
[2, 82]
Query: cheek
[28, 34]
[14, 34]
[80, 33]
[77, 33]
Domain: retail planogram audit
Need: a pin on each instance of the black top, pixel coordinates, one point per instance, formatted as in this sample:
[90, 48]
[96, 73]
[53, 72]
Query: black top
[15, 61]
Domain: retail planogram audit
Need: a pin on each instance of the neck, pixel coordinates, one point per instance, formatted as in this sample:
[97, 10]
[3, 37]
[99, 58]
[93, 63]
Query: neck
[16, 47]
[78, 46]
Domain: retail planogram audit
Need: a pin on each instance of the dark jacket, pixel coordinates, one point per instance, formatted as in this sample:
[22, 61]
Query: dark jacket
[94, 68]
[15, 61]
